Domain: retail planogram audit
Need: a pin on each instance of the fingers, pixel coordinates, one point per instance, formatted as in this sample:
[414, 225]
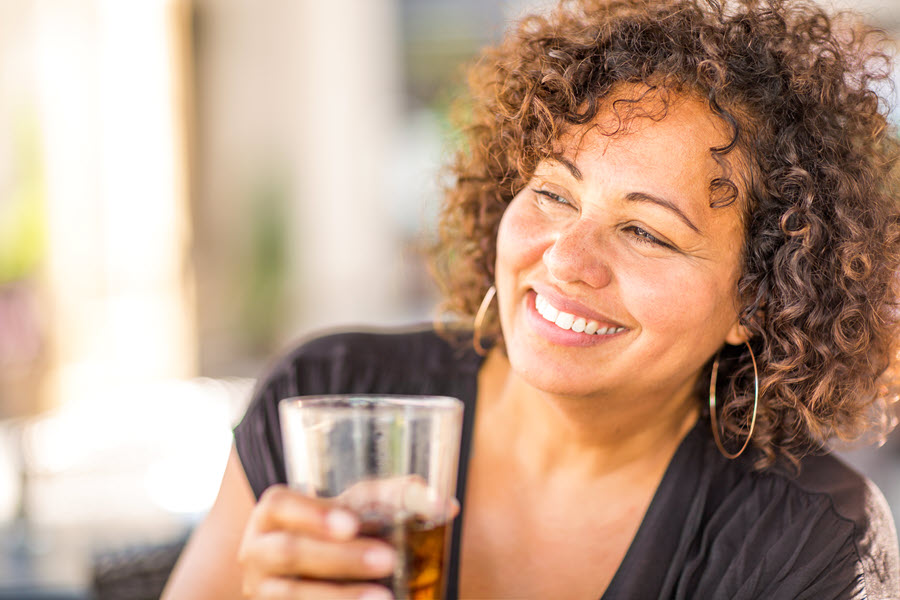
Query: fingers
[285, 589]
[290, 535]
[293, 544]
[408, 494]
[283, 509]
[285, 553]
[419, 499]
[452, 508]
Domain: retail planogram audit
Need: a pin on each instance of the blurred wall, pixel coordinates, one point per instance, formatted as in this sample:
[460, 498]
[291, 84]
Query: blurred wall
[95, 282]
[297, 110]
[319, 132]
[110, 83]
[23, 308]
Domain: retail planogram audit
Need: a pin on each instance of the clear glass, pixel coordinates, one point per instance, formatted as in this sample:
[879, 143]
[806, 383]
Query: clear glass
[391, 459]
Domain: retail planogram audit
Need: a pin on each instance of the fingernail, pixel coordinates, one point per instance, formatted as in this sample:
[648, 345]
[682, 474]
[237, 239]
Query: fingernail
[376, 594]
[379, 559]
[340, 523]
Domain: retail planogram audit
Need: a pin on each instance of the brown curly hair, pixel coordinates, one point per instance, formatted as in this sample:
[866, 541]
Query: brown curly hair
[818, 185]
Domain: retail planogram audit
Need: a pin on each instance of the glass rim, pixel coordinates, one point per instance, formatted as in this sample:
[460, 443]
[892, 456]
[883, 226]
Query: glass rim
[342, 402]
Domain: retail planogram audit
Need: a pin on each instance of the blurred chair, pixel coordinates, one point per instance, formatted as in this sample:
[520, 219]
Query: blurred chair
[136, 573]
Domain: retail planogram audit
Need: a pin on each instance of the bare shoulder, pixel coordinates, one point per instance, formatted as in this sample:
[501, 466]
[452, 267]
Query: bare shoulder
[208, 566]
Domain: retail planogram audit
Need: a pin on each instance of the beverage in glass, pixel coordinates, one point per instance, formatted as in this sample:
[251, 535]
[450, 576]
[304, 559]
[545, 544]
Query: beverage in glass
[392, 460]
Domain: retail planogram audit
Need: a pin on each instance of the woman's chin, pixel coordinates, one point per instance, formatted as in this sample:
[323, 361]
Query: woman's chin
[555, 380]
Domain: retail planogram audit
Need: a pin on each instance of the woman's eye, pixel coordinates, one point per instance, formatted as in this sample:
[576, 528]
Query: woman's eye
[551, 197]
[645, 237]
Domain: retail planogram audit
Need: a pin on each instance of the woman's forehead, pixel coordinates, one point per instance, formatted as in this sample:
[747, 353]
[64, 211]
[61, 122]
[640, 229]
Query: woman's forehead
[669, 131]
[632, 110]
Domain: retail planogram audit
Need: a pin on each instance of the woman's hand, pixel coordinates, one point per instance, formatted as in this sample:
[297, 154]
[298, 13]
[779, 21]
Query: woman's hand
[295, 546]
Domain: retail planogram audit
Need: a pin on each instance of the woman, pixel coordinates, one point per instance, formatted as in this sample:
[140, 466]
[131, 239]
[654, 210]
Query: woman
[689, 215]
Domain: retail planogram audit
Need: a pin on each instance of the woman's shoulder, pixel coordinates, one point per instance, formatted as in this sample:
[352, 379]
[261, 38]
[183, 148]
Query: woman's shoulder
[727, 530]
[824, 483]
[406, 361]
[419, 343]
[819, 524]
[343, 355]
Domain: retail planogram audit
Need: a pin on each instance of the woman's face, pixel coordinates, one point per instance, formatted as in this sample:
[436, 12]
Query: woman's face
[614, 275]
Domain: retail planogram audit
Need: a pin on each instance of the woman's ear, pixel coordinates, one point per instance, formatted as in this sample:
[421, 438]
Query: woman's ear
[737, 335]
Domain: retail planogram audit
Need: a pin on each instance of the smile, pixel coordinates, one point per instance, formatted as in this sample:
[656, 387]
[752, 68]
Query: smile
[568, 321]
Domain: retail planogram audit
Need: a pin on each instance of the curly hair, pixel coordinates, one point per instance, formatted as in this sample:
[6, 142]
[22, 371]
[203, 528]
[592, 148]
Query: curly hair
[797, 89]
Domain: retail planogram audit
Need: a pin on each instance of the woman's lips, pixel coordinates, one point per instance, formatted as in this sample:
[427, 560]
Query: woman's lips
[559, 330]
[562, 303]
[574, 322]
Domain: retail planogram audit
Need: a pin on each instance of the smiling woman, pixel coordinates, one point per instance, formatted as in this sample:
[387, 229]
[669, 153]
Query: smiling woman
[661, 195]
[802, 154]
[614, 247]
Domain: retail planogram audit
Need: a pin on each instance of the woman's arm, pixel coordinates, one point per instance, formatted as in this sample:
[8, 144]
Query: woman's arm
[286, 545]
[208, 566]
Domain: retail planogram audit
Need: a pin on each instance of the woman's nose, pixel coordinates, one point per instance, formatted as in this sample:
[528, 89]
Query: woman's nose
[577, 255]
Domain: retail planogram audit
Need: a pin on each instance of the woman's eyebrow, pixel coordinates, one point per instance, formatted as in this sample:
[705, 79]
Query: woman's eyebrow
[644, 197]
[633, 196]
[576, 173]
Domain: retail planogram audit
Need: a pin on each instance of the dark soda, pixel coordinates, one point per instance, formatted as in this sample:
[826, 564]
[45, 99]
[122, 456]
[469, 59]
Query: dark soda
[419, 573]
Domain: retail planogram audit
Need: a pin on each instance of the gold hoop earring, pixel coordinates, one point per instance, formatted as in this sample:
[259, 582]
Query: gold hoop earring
[479, 321]
[712, 405]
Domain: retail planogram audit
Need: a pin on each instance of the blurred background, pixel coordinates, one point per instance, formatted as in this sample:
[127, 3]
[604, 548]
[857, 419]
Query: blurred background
[186, 188]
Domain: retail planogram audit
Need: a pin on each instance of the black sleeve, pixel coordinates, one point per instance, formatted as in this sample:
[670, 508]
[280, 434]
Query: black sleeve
[720, 530]
[796, 543]
[257, 437]
[319, 366]
[413, 361]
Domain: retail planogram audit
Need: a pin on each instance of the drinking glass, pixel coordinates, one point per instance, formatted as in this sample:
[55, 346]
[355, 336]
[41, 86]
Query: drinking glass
[392, 460]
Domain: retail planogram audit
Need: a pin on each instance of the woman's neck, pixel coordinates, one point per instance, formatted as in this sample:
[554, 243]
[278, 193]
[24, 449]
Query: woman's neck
[581, 439]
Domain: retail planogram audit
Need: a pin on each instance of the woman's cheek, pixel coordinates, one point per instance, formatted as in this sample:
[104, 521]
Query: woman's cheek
[522, 236]
[676, 299]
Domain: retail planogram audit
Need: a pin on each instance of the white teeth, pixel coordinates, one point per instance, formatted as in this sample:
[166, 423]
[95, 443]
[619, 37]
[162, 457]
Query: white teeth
[564, 320]
[550, 313]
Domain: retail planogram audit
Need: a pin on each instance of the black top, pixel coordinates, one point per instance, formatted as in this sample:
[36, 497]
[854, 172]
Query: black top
[715, 529]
